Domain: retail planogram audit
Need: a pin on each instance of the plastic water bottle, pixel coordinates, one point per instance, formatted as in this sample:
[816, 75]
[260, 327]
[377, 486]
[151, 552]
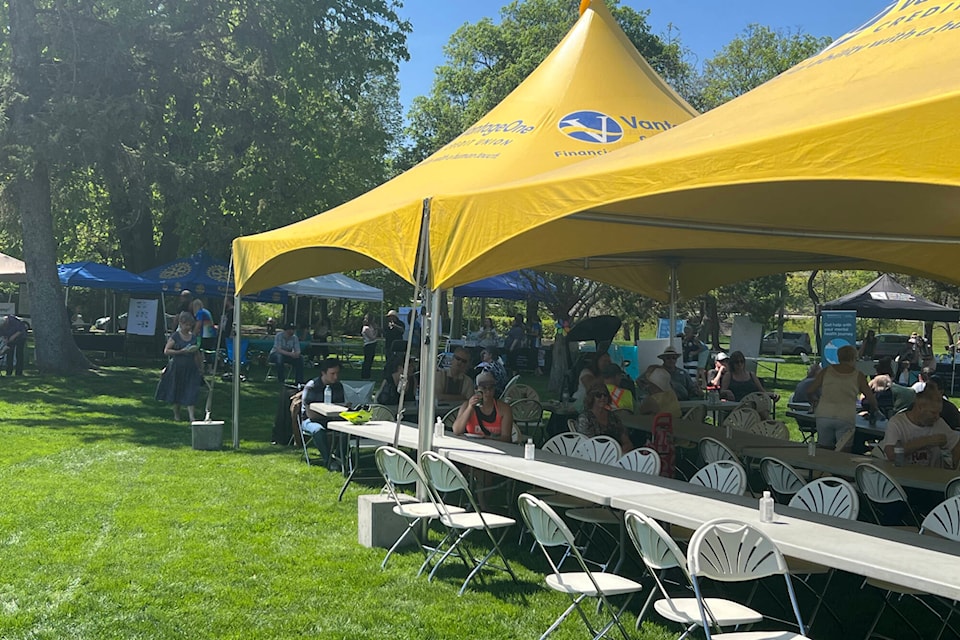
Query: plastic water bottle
[328, 395]
[438, 428]
[766, 507]
[898, 454]
[529, 451]
[811, 448]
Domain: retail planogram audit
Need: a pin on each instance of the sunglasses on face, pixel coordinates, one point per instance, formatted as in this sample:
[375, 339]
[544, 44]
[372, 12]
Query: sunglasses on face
[486, 387]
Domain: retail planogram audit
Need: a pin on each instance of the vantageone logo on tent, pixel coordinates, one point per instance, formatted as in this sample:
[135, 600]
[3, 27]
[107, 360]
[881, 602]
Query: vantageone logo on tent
[596, 127]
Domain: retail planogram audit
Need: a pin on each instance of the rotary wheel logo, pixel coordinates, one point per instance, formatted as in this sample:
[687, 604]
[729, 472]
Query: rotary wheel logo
[590, 126]
[176, 270]
[218, 272]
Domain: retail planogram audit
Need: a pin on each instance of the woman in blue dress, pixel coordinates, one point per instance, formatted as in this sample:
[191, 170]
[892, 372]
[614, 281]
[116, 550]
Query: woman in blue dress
[180, 382]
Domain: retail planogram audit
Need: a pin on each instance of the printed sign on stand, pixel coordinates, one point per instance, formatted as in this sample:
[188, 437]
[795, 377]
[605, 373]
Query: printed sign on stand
[663, 328]
[839, 328]
[142, 317]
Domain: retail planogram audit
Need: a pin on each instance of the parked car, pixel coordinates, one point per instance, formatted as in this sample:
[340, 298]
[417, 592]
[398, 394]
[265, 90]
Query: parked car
[795, 342]
[891, 344]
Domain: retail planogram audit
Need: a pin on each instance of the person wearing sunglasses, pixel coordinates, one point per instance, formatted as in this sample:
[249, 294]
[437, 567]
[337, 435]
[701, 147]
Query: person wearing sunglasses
[483, 415]
[454, 384]
[597, 419]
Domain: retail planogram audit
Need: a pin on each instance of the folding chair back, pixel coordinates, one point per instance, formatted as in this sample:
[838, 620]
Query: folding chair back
[641, 460]
[944, 520]
[771, 429]
[382, 412]
[520, 392]
[880, 488]
[509, 386]
[760, 402]
[564, 443]
[830, 496]
[725, 476]
[450, 418]
[742, 419]
[397, 468]
[657, 549]
[602, 449]
[730, 551]
[953, 488]
[712, 450]
[780, 476]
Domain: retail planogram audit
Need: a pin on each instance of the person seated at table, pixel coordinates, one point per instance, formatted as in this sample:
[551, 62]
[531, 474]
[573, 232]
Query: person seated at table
[907, 373]
[661, 397]
[684, 386]
[882, 387]
[840, 385]
[286, 350]
[316, 391]
[720, 366]
[483, 415]
[620, 398]
[948, 411]
[802, 391]
[389, 393]
[922, 433]
[490, 362]
[695, 353]
[589, 375]
[454, 383]
[487, 336]
[921, 382]
[738, 382]
[597, 419]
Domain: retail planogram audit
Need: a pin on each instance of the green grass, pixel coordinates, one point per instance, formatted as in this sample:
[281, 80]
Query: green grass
[113, 527]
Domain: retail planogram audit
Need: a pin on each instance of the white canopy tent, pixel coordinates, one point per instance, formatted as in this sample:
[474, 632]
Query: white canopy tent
[333, 285]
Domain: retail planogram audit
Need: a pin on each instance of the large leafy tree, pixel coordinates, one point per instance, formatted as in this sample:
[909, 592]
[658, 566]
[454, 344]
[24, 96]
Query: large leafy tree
[154, 130]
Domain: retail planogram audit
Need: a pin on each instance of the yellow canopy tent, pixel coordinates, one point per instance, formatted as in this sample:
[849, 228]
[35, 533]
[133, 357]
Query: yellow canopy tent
[594, 93]
[851, 153]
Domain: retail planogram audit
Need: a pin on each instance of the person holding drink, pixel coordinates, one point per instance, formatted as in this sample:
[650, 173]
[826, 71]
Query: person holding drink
[483, 415]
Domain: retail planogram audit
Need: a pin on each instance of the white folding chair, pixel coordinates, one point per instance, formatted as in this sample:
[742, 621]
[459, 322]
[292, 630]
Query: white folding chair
[641, 460]
[762, 403]
[712, 450]
[725, 476]
[726, 550]
[520, 392]
[953, 488]
[742, 419]
[830, 497]
[399, 470]
[528, 416]
[549, 530]
[659, 554]
[782, 479]
[602, 449]
[771, 429]
[882, 491]
[509, 386]
[564, 443]
[450, 417]
[943, 521]
[443, 477]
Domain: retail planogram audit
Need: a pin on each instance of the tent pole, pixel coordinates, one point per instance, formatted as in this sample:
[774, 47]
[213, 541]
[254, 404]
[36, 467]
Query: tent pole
[673, 304]
[236, 372]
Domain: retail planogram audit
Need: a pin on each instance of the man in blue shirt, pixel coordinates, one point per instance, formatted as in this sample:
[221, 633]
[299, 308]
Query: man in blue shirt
[15, 334]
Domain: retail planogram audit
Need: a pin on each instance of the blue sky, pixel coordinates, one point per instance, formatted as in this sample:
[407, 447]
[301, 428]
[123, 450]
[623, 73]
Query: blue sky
[704, 25]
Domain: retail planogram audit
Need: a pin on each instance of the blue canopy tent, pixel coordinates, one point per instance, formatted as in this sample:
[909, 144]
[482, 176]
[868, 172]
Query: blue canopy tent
[92, 275]
[516, 285]
[204, 275]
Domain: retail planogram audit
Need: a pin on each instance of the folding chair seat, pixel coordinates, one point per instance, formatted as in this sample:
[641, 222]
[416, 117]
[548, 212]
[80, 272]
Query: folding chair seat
[660, 554]
[883, 493]
[944, 521]
[784, 481]
[550, 531]
[443, 477]
[399, 470]
[726, 550]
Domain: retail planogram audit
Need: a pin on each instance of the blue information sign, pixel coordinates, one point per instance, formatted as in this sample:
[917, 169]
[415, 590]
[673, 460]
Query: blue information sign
[839, 328]
[663, 328]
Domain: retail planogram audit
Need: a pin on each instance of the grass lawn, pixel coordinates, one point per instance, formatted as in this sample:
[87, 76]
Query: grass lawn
[113, 527]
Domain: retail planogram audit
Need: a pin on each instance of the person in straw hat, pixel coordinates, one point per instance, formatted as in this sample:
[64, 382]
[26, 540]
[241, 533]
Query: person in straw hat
[684, 385]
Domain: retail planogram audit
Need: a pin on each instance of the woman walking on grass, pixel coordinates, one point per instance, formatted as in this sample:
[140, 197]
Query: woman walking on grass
[180, 382]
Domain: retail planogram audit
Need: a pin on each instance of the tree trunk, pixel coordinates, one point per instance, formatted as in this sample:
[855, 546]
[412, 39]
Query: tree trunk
[54, 348]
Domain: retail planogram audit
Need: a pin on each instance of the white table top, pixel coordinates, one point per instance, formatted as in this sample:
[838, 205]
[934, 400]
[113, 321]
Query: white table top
[328, 410]
[885, 553]
[840, 463]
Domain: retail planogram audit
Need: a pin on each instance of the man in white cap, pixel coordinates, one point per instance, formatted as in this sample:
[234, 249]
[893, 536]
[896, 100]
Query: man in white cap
[720, 367]
[683, 384]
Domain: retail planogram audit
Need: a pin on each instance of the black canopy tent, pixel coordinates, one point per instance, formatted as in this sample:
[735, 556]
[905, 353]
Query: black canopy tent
[887, 298]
